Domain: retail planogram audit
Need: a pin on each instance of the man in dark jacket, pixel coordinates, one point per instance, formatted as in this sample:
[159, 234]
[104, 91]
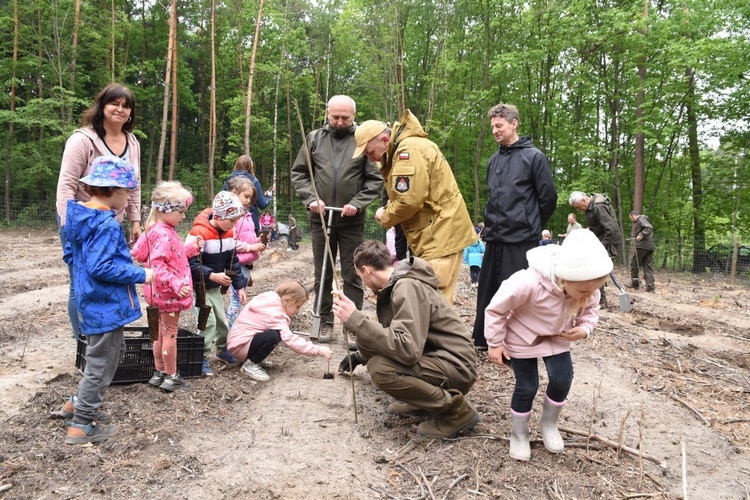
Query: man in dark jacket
[521, 200]
[418, 351]
[341, 181]
[644, 251]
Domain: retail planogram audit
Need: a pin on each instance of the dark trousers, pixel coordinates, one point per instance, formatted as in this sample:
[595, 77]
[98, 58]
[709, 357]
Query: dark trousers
[642, 259]
[474, 273]
[560, 374]
[499, 263]
[346, 239]
[402, 247]
[262, 345]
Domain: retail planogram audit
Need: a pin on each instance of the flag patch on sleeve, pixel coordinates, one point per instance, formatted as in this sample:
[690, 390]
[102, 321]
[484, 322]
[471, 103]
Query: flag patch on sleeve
[403, 155]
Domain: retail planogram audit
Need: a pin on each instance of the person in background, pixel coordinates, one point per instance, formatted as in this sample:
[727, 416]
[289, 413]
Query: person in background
[245, 167]
[546, 238]
[521, 200]
[216, 226]
[473, 255]
[572, 226]
[160, 248]
[418, 351]
[247, 245]
[105, 293]
[537, 313]
[341, 181]
[264, 323]
[601, 220]
[423, 196]
[293, 237]
[106, 129]
[644, 251]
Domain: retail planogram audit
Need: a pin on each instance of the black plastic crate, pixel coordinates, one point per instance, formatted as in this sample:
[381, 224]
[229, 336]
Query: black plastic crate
[137, 362]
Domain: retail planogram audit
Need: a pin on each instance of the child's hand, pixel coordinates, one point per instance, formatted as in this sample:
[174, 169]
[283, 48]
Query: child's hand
[242, 295]
[258, 247]
[199, 242]
[220, 279]
[324, 352]
[149, 275]
[496, 354]
[575, 333]
[185, 291]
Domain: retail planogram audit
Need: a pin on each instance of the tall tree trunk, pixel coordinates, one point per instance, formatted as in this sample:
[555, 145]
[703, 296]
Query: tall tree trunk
[175, 107]
[74, 57]
[699, 233]
[11, 124]
[249, 107]
[167, 86]
[276, 122]
[212, 105]
[40, 77]
[112, 42]
[290, 139]
[640, 98]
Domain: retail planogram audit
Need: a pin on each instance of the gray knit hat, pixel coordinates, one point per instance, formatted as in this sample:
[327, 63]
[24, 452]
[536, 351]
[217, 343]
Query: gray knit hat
[582, 257]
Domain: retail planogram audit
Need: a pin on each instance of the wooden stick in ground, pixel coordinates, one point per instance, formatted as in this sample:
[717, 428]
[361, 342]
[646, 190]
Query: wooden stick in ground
[696, 412]
[684, 468]
[611, 444]
[334, 285]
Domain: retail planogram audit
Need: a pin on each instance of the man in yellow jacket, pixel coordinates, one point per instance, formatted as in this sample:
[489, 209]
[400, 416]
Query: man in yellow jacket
[422, 195]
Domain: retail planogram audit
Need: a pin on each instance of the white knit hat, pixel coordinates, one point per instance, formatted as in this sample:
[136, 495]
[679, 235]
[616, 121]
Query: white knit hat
[582, 257]
[227, 206]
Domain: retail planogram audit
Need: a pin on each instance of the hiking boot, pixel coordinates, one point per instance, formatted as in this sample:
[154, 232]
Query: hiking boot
[174, 382]
[68, 410]
[88, 433]
[207, 371]
[255, 371]
[458, 415]
[650, 289]
[326, 333]
[405, 410]
[157, 378]
[226, 357]
[635, 285]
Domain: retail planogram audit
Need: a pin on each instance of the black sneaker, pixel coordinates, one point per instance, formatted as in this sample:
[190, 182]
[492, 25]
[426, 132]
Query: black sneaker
[173, 383]
[157, 379]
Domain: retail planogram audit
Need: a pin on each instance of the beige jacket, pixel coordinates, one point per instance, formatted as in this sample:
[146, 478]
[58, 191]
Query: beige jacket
[423, 195]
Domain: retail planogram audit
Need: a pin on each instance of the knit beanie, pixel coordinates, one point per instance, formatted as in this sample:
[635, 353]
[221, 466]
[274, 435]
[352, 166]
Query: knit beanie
[227, 206]
[582, 257]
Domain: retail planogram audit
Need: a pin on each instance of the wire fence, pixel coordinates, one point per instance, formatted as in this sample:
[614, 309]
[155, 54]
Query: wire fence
[670, 254]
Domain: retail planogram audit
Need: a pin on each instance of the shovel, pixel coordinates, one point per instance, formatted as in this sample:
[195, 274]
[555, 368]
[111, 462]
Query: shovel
[625, 305]
[317, 320]
[204, 310]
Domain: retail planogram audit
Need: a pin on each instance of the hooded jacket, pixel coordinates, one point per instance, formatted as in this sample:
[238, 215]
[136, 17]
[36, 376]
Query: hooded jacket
[415, 320]
[423, 195]
[218, 253]
[339, 178]
[161, 249]
[522, 195]
[600, 219]
[642, 227]
[104, 275]
[261, 200]
[529, 310]
[265, 312]
[81, 148]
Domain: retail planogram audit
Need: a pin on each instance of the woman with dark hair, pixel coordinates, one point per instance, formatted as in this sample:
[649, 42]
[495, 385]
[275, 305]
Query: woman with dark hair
[106, 129]
[245, 167]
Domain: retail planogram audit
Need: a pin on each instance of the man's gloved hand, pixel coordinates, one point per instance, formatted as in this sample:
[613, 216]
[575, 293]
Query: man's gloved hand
[353, 358]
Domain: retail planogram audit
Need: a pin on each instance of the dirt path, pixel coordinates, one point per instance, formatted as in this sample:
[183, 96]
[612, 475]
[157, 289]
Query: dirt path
[673, 375]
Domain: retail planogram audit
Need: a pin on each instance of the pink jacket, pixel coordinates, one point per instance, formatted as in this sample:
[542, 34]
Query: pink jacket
[265, 312]
[80, 150]
[530, 310]
[244, 232]
[161, 249]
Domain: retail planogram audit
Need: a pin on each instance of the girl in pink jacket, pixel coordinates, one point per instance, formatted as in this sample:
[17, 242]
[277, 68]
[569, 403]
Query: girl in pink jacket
[263, 323]
[536, 313]
[160, 248]
[247, 245]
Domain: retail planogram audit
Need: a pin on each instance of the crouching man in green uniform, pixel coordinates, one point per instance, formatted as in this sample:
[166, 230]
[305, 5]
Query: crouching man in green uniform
[418, 351]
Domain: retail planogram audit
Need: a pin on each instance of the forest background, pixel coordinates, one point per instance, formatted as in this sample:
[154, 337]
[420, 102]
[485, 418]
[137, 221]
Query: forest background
[644, 101]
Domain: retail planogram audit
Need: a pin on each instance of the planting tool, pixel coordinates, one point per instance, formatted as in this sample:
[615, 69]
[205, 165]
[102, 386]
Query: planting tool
[624, 297]
[152, 312]
[317, 320]
[204, 310]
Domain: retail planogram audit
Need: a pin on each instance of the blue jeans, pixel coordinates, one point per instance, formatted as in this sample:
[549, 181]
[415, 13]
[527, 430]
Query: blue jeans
[559, 372]
[75, 322]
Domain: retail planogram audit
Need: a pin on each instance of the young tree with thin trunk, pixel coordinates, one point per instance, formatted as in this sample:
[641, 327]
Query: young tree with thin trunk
[9, 139]
[212, 105]
[167, 86]
[249, 107]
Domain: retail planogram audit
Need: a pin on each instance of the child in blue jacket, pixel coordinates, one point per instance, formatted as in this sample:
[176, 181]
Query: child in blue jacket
[104, 279]
[473, 256]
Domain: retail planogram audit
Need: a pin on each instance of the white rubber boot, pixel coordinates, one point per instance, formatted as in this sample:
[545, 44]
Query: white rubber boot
[520, 449]
[553, 441]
